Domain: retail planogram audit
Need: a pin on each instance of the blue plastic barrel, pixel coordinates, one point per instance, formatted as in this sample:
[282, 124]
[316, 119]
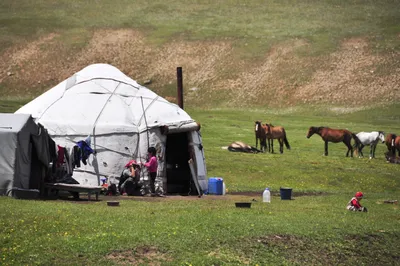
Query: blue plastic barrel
[286, 193]
[215, 185]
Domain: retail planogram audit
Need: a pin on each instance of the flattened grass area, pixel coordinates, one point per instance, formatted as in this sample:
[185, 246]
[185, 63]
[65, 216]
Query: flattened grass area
[312, 229]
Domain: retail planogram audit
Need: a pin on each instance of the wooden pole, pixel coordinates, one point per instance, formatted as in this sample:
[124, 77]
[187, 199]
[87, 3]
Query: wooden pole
[179, 86]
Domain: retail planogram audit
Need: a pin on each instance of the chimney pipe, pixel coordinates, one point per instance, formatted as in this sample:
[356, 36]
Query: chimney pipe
[179, 86]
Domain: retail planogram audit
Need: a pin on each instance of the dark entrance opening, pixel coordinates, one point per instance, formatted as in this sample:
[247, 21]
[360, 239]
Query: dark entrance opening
[36, 173]
[179, 180]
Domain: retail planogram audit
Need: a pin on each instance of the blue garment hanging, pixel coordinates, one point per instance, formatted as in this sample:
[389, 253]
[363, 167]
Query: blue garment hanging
[85, 151]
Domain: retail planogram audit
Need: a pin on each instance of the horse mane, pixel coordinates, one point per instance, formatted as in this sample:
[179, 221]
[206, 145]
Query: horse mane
[317, 129]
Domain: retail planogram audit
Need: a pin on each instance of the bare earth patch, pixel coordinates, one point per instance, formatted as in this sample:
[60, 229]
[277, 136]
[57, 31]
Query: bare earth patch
[351, 75]
[145, 255]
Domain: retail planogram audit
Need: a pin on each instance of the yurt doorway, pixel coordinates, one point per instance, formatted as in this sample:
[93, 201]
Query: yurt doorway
[179, 180]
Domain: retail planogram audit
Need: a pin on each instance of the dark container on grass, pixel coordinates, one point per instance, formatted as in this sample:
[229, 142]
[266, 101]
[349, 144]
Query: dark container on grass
[243, 204]
[286, 193]
[113, 203]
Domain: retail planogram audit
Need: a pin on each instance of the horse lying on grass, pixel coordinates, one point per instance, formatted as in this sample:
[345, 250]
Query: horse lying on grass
[239, 146]
[369, 138]
[334, 135]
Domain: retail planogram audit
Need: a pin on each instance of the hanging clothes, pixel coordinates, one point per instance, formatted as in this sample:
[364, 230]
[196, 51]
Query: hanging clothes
[85, 151]
[76, 156]
[60, 155]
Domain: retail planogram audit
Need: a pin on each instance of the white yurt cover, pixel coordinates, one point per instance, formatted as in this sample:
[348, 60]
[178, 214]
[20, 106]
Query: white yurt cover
[118, 114]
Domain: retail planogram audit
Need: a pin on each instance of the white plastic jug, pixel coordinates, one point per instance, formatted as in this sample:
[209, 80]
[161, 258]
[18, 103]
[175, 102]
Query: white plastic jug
[267, 195]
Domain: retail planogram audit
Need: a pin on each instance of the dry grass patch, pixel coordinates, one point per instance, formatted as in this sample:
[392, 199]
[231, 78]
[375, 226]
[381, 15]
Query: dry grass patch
[145, 255]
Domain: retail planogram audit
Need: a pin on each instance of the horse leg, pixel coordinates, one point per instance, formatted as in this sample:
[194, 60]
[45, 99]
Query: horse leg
[280, 145]
[326, 148]
[347, 142]
[371, 150]
[361, 154]
[272, 145]
[264, 145]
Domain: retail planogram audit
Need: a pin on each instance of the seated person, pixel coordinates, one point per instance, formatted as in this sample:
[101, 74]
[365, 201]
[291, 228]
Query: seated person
[129, 178]
[355, 205]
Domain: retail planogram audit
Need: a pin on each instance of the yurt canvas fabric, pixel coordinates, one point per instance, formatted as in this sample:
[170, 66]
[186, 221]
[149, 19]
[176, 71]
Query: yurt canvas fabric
[122, 119]
[25, 154]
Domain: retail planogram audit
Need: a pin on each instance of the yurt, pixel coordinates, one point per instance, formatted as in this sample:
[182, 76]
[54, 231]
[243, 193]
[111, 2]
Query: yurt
[121, 119]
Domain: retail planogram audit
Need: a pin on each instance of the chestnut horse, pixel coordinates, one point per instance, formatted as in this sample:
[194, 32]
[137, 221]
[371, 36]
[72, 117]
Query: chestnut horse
[279, 133]
[261, 134]
[393, 143]
[335, 135]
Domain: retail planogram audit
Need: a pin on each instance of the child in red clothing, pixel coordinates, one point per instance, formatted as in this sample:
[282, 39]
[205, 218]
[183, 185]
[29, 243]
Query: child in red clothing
[354, 203]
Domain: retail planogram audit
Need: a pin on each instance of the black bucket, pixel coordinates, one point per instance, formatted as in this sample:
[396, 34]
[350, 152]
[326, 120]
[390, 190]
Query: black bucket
[286, 193]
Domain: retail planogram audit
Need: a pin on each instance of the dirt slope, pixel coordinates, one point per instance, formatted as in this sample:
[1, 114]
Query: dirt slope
[212, 73]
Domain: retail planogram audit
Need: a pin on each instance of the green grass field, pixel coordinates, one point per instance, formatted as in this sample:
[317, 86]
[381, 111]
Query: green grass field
[313, 229]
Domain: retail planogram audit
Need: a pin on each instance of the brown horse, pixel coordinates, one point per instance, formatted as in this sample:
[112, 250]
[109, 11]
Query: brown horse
[392, 142]
[334, 135]
[278, 133]
[261, 134]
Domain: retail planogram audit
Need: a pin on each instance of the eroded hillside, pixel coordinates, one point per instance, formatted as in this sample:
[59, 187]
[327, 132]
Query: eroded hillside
[214, 74]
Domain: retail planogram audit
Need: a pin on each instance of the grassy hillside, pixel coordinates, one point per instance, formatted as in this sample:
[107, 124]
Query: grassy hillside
[258, 53]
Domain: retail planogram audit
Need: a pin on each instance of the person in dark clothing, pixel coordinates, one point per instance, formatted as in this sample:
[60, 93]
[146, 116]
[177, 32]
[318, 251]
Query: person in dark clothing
[129, 178]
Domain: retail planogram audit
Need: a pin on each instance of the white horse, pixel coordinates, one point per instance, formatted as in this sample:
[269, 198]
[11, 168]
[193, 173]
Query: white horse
[369, 138]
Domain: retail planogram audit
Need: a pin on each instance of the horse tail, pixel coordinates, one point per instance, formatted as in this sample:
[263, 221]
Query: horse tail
[392, 144]
[356, 140]
[357, 143]
[285, 140]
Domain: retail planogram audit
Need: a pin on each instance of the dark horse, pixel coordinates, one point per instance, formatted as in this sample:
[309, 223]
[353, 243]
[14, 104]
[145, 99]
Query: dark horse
[335, 135]
[261, 134]
[393, 143]
[279, 133]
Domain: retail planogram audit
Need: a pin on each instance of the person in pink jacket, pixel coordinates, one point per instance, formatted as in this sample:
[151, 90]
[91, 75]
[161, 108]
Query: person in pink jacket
[152, 165]
[355, 205]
